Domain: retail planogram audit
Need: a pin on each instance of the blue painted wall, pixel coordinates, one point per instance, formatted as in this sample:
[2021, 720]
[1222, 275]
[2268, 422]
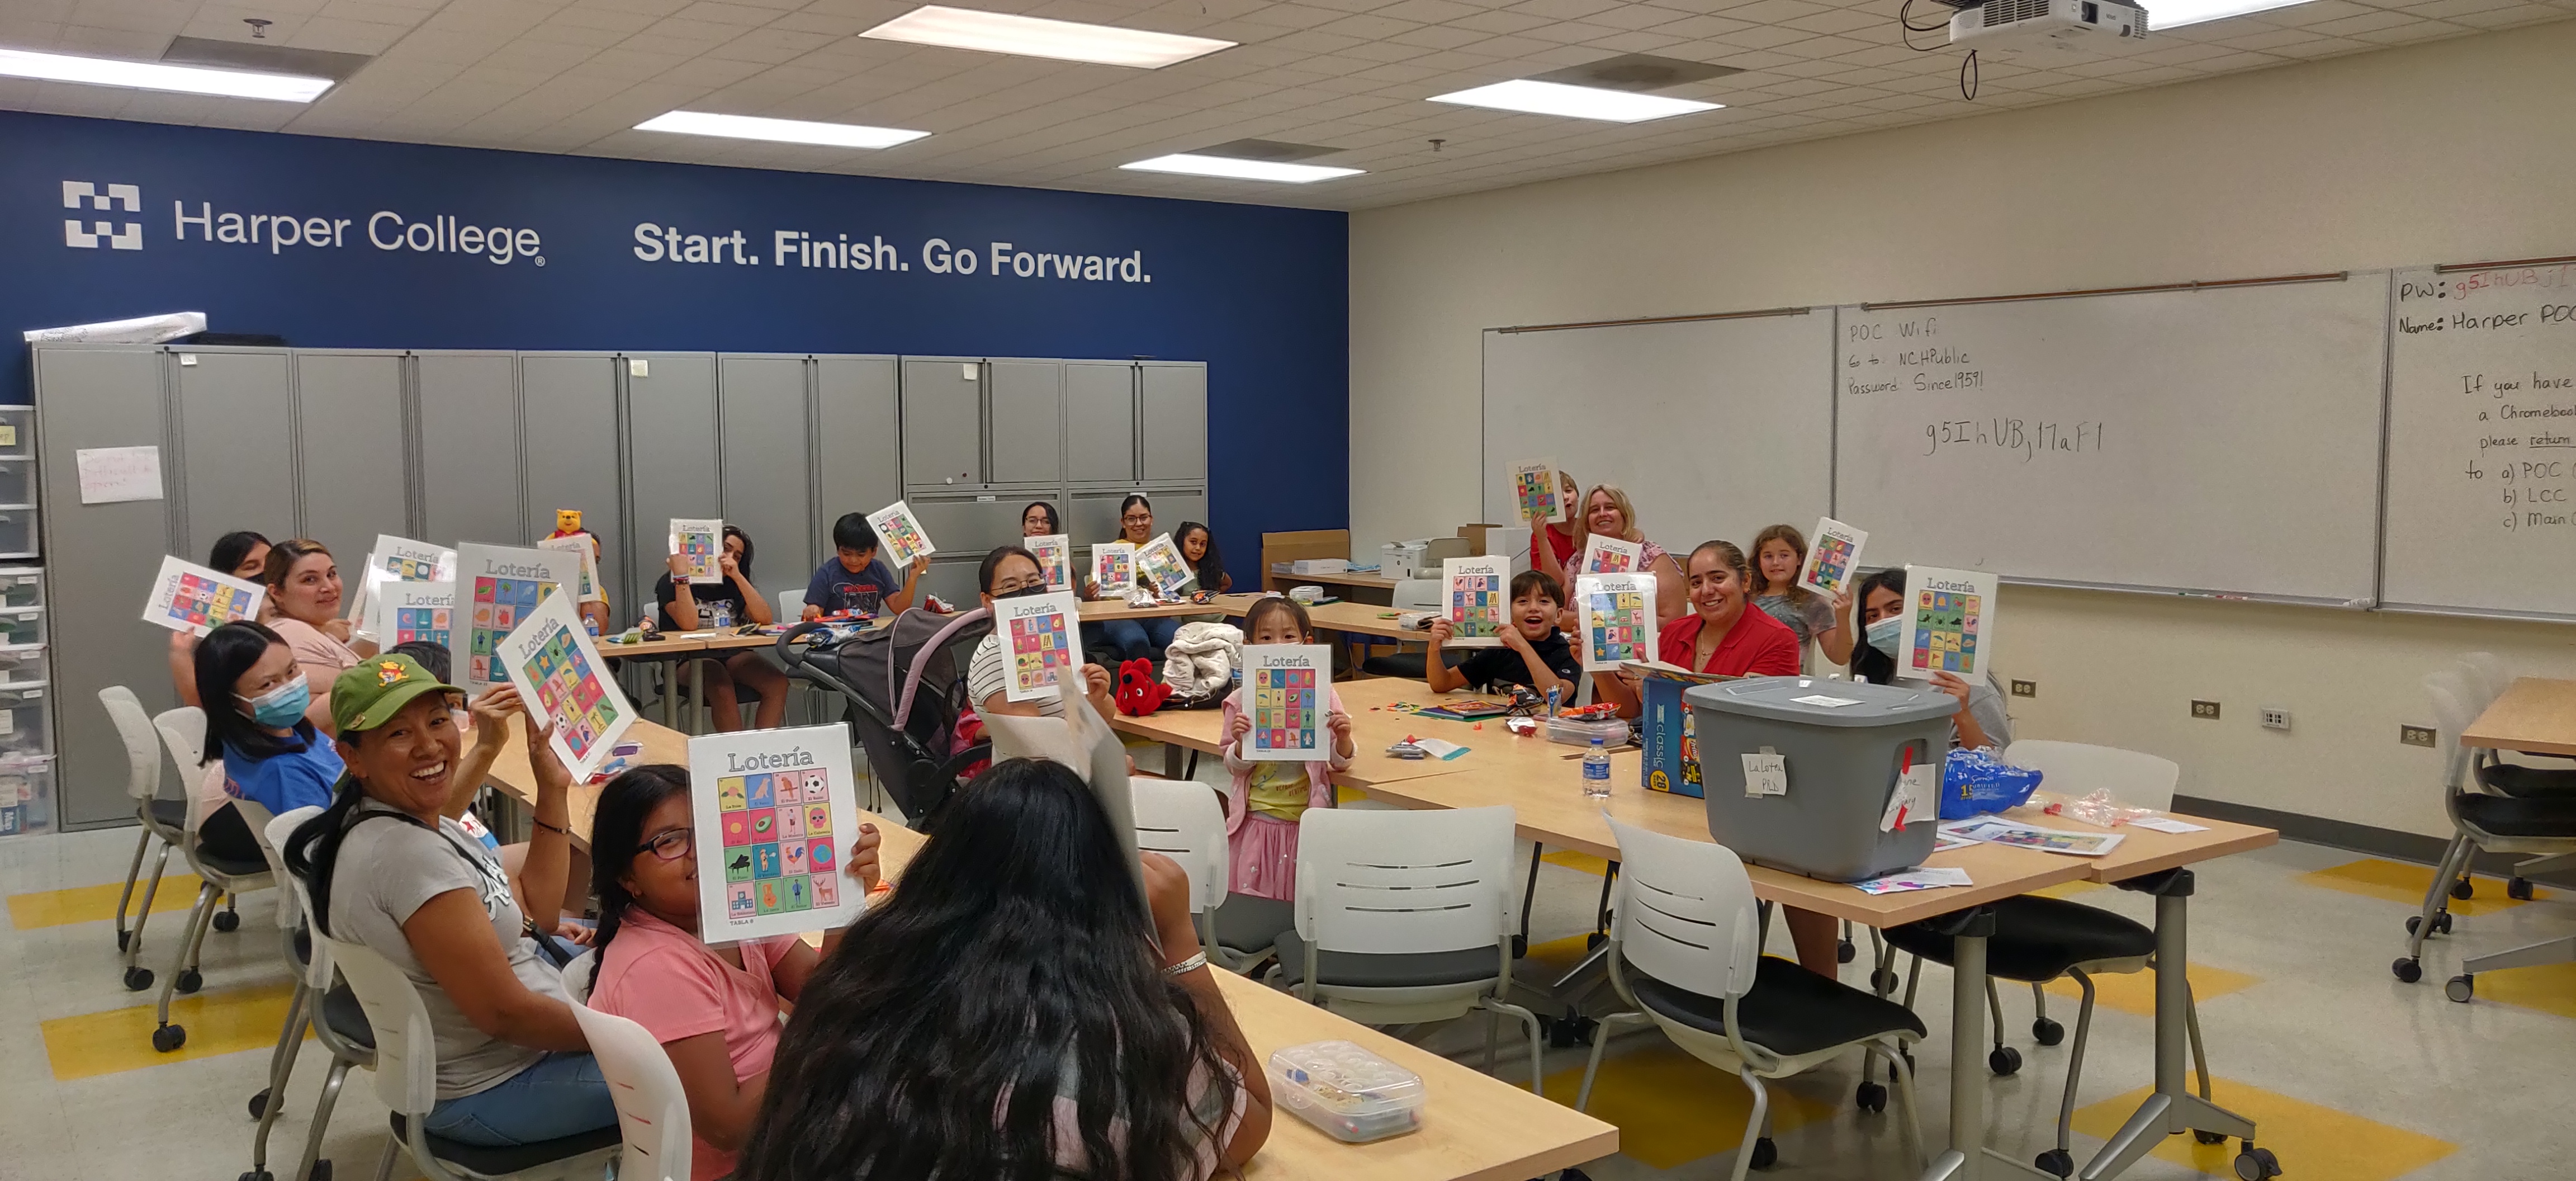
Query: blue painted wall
[1261, 294]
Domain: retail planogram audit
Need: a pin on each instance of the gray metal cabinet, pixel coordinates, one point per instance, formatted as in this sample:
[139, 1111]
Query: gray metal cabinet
[568, 414]
[859, 442]
[1173, 407]
[471, 482]
[236, 449]
[768, 454]
[1099, 422]
[98, 560]
[671, 460]
[353, 447]
[943, 423]
[1025, 423]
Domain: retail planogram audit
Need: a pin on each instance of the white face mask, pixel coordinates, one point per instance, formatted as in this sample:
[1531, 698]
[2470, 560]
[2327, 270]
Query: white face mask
[1884, 634]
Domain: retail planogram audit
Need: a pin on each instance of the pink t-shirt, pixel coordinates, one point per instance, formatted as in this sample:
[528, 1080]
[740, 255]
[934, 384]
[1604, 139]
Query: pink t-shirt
[660, 977]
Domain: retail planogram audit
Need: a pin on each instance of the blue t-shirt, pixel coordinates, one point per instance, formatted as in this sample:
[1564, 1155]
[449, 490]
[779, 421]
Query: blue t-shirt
[299, 777]
[833, 589]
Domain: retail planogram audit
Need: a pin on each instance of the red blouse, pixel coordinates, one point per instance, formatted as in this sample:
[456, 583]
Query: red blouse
[1757, 646]
[1561, 542]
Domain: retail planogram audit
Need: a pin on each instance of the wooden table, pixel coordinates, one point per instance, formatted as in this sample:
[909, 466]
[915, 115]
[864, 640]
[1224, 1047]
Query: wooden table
[1102, 610]
[2534, 714]
[664, 646]
[1374, 727]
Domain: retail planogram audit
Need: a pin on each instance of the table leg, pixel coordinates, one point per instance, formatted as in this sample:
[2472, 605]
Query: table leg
[670, 696]
[1173, 758]
[1965, 1160]
[698, 694]
[2173, 1109]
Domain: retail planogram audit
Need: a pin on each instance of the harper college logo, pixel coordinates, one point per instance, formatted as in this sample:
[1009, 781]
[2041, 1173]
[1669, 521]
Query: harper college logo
[81, 194]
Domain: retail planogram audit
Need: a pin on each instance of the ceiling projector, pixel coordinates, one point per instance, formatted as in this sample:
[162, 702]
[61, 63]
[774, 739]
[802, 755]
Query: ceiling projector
[2072, 26]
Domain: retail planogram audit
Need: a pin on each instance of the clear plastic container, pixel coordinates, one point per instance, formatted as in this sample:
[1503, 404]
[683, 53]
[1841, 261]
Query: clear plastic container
[1613, 732]
[22, 627]
[26, 795]
[22, 586]
[1355, 1096]
[23, 666]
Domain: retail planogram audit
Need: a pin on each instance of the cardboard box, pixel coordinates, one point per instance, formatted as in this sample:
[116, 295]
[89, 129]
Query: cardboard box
[1671, 762]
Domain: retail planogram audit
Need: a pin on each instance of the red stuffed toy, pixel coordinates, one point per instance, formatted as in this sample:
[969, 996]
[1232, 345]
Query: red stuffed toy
[1139, 693]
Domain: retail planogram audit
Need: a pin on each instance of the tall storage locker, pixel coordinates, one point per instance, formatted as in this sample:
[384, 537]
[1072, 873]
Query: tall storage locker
[352, 444]
[1099, 422]
[1024, 422]
[236, 455]
[569, 417]
[943, 423]
[472, 485]
[1173, 400]
[769, 488]
[860, 442]
[670, 462]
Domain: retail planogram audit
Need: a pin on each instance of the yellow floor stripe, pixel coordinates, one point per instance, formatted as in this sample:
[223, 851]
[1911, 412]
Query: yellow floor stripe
[97, 904]
[2312, 1141]
[1673, 1109]
[2550, 988]
[2399, 881]
[2067, 889]
[2135, 992]
[1578, 862]
[1557, 955]
[120, 1040]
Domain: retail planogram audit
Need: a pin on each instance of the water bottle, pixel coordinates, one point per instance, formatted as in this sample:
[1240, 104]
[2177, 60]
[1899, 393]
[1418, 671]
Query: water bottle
[1596, 772]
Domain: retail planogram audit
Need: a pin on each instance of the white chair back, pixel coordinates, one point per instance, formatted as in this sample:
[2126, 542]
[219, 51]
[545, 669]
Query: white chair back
[1418, 594]
[142, 751]
[2134, 778]
[406, 1048]
[1180, 819]
[1685, 913]
[2450, 693]
[2488, 678]
[652, 1111]
[183, 731]
[293, 902]
[581, 974]
[791, 603]
[1399, 882]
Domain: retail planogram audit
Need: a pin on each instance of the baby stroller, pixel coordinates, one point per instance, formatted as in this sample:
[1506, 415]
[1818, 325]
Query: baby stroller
[906, 688]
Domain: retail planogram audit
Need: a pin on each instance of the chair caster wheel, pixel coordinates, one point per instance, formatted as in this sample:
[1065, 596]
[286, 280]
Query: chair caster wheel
[169, 1038]
[2049, 1033]
[2442, 923]
[321, 1171]
[2209, 1137]
[2461, 988]
[138, 979]
[1882, 981]
[226, 920]
[2056, 1162]
[1574, 1175]
[1595, 940]
[1573, 1029]
[2256, 1164]
[2406, 970]
[258, 1104]
[1765, 1153]
[2519, 889]
[258, 1175]
[1845, 953]
[189, 981]
[2464, 889]
[1872, 1098]
[2005, 1060]
[1520, 946]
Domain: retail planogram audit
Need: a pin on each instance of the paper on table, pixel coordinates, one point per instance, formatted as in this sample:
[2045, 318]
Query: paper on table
[114, 475]
[187, 597]
[1616, 619]
[779, 808]
[1040, 634]
[1534, 490]
[1922, 878]
[560, 676]
[1289, 688]
[1832, 558]
[1609, 555]
[1996, 830]
[1943, 842]
[1054, 552]
[901, 534]
[1113, 568]
[1440, 748]
[1949, 623]
[1083, 741]
[1479, 604]
[699, 542]
[2168, 824]
[1159, 562]
[1823, 701]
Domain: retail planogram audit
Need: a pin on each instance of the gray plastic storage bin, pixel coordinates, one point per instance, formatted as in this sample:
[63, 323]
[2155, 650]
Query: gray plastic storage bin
[1843, 762]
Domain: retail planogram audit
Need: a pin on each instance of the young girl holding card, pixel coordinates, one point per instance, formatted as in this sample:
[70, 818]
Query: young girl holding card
[733, 602]
[714, 1009]
[1267, 798]
[1552, 543]
[1980, 720]
[1779, 553]
[1198, 548]
[244, 555]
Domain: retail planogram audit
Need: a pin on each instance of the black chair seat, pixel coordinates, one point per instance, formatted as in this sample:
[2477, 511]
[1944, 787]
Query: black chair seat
[346, 1017]
[2037, 938]
[170, 814]
[2506, 816]
[1250, 923]
[1407, 664]
[496, 1162]
[2513, 779]
[1790, 1010]
[231, 867]
[1402, 970]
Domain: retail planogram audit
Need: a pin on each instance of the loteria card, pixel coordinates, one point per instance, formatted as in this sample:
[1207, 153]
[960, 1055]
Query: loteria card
[580, 544]
[1833, 558]
[776, 808]
[1949, 623]
[1040, 634]
[901, 534]
[1609, 555]
[1159, 562]
[409, 611]
[500, 585]
[1617, 613]
[1289, 688]
[412, 561]
[1480, 601]
[1054, 553]
[1113, 567]
[187, 597]
[1534, 491]
[700, 543]
[1082, 740]
[561, 677]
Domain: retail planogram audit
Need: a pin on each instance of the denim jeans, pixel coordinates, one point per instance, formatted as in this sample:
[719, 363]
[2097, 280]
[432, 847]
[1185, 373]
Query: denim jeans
[559, 1095]
[1139, 639]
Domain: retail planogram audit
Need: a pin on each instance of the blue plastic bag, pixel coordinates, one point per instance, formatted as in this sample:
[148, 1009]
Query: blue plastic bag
[1975, 782]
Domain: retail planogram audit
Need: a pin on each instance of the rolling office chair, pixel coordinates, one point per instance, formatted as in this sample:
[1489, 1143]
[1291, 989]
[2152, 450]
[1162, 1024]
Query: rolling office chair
[160, 820]
[322, 1003]
[652, 1110]
[2487, 820]
[1182, 820]
[183, 731]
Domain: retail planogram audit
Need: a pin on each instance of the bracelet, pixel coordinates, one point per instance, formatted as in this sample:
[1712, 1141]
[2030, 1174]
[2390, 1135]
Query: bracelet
[1197, 960]
[551, 827]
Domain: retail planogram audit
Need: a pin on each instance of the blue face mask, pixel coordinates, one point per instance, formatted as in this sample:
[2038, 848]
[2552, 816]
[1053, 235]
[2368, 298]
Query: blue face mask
[282, 707]
[1884, 634]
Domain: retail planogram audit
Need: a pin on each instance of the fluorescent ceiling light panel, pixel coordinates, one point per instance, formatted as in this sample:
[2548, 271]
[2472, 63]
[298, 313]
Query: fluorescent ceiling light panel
[99, 71]
[1534, 97]
[1029, 36]
[2174, 14]
[1226, 166]
[785, 131]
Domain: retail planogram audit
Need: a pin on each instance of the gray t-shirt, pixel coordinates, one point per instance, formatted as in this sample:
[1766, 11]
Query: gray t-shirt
[388, 867]
[987, 675]
[1986, 705]
[1812, 620]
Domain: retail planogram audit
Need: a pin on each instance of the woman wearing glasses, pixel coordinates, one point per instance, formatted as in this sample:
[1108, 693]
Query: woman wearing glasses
[715, 1010]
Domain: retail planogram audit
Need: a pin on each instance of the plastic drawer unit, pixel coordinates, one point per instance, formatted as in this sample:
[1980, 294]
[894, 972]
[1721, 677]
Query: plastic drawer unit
[1842, 746]
[26, 794]
[26, 723]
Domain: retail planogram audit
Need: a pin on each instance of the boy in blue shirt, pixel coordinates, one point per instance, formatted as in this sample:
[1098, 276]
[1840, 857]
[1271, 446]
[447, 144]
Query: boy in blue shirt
[855, 579]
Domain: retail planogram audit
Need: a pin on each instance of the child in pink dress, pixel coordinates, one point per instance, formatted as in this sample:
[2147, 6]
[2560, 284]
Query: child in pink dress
[1266, 799]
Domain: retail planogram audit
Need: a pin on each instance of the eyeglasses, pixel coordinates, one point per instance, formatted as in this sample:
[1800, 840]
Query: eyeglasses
[671, 844]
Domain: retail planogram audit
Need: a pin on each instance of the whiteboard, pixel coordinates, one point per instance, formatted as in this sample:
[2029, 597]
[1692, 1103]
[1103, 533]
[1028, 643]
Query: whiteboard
[2216, 440]
[2482, 441]
[1716, 428]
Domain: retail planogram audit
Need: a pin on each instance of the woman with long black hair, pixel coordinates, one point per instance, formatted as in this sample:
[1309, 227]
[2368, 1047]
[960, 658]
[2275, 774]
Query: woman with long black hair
[256, 699]
[1014, 1010]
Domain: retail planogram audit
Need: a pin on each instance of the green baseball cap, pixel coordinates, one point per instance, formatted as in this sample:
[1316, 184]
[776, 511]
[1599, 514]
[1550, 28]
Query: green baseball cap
[371, 693]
